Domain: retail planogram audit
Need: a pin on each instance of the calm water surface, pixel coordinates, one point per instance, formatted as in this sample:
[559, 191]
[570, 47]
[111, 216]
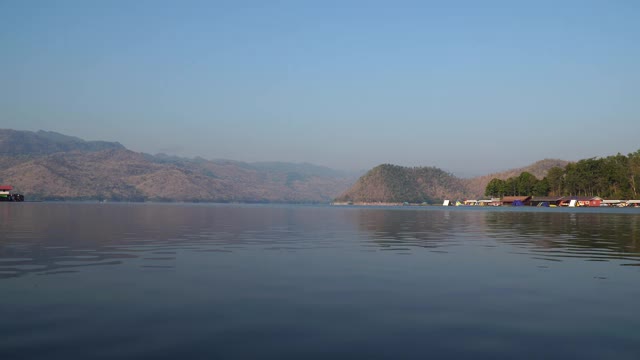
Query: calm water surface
[160, 281]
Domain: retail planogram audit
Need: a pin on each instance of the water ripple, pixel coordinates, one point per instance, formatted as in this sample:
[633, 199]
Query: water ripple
[105, 237]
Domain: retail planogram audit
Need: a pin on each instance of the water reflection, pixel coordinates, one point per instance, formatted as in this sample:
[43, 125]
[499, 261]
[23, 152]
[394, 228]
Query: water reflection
[291, 282]
[399, 228]
[51, 238]
[552, 234]
[595, 236]
[47, 238]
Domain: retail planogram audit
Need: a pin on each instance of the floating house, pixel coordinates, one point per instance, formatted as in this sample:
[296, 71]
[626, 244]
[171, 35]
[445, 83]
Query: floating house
[586, 201]
[516, 200]
[614, 203]
[554, 201]
[633, 203]
[495, 202]
[5, 192]
[546, 200]
[6, 195]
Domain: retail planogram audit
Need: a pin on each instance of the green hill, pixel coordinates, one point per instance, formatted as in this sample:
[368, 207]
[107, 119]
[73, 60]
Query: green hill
[397, 184]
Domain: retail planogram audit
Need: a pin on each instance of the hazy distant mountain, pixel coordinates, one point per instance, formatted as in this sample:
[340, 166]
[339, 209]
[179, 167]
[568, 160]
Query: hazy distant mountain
[27, 143]
[397, 184]
[47, 165]
[539, 169]
[299, 168]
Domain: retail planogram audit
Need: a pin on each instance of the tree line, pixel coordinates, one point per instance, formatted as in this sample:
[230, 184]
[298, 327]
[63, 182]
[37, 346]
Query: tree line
[616, 176]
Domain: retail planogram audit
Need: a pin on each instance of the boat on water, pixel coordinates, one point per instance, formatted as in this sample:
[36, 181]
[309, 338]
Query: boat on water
[7, 195]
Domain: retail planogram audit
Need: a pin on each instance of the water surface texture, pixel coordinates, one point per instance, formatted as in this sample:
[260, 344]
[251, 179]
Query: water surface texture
[183, 281]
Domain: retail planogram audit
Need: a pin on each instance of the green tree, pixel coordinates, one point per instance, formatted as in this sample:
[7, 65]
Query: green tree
[571, 178]
[511, 186]
[555, 180]
[634, 173]
[526, 182]
[541, 188]
[614, 177]
[495, 187]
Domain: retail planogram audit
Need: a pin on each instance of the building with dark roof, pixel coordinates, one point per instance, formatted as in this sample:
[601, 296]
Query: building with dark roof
[516, 200]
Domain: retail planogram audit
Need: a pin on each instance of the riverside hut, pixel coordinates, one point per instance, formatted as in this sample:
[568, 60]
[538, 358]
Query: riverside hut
[550, 200]
[516, 200]
[6, 195]
[588, 201]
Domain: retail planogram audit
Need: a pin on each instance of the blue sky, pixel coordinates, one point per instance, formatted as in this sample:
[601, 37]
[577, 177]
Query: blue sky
[468, 86]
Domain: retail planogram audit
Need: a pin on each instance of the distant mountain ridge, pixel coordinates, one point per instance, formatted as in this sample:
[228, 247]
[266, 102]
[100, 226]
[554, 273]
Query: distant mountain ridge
[27, 143]
[48, 165]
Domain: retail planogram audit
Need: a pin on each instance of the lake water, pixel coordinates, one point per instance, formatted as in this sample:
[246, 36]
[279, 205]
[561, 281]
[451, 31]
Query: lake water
[185, 281]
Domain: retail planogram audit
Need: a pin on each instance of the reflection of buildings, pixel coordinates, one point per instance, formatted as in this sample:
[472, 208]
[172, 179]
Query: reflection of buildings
[420, 227]
[553, 233]
[596, 235]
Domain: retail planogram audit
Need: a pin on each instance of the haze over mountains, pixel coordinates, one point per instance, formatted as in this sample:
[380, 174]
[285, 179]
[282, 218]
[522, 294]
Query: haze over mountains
[46, 165]
[49, 165]
[16, 143]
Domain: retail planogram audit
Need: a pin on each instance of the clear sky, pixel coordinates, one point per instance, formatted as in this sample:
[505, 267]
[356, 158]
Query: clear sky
[468, 86]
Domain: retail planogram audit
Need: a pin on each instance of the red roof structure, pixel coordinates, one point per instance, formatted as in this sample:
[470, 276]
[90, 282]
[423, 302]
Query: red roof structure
[6, 187]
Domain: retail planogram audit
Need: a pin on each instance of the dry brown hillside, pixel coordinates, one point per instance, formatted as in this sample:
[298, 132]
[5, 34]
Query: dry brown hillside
[539, 169]
[46, 165]
[131, 176]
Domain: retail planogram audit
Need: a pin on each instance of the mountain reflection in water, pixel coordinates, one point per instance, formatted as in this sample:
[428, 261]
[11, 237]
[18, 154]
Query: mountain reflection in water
[203, 281]
[52, 238]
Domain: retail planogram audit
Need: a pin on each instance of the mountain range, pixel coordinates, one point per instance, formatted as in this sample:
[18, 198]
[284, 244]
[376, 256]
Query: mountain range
[47, 165]
[397, 184]
[51, 166]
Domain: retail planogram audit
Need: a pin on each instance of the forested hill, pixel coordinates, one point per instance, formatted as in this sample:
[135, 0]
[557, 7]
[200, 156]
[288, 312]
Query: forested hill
[539, 170]
[616, 177]
[397, 184]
